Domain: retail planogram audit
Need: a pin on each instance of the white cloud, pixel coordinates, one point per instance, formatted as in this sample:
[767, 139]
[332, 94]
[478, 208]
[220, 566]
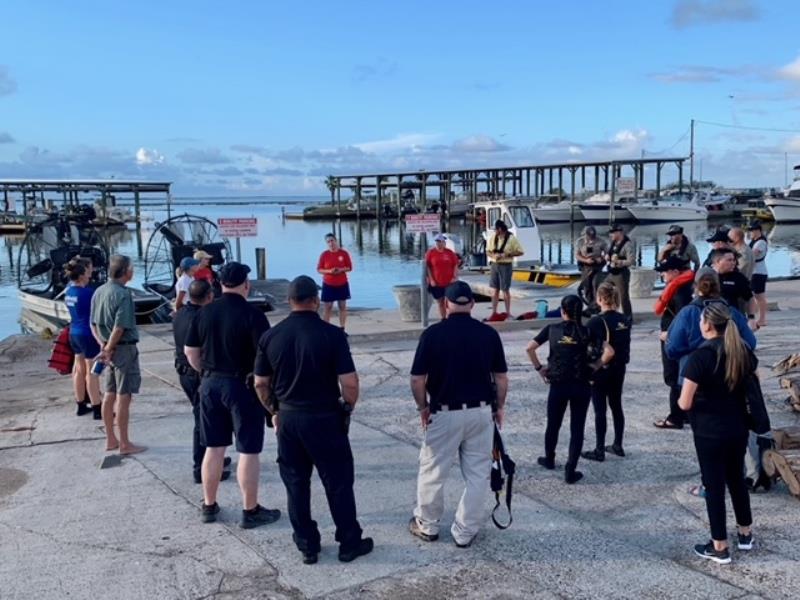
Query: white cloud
[791, 71]
[626, 136]
[146, 157]
[210, 156]
[402, 141]
[793, 144]
[478, 143]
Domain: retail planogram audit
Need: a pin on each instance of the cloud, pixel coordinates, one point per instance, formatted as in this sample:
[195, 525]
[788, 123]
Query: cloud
[145, 157]
[402, 141]
[6, 138]
[381, 68]
[791, 71]
[708, 74]
[7, 83]
[479, 143]
[793, 144]
[203, 156]
[698, 12]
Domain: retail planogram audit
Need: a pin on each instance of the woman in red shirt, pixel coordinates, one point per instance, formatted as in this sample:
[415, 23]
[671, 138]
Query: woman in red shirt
[204, 269]
[334, 265]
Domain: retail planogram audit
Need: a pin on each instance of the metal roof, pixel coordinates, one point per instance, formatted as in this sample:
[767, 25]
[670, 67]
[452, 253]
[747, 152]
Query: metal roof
[84, 185]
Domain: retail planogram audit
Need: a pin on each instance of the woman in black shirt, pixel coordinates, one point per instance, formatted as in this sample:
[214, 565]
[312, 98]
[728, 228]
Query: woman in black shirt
[568, 371]
[714, 395]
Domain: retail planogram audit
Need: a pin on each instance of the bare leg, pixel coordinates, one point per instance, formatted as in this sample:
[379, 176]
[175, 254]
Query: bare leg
[761, 301]
[109, 400]
[247, 473]
[326, 311]
[442, 309]
[211, 471]
[507, 300]
[123, 418]
[495, 299]
[342, 312]
[92, 385]
[79, 371]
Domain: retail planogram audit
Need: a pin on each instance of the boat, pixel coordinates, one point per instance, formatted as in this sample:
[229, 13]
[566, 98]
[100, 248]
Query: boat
[673, 207]
[786, 207]
[598, 207]
[554, 208]
[717, 204]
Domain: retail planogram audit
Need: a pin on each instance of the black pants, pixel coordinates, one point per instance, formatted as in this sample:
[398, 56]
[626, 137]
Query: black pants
[307, 440]
[588, 285]
[576, 395]
[671, 370]
[722, 464]
[622, 281]
[607, 392]
[191, 387]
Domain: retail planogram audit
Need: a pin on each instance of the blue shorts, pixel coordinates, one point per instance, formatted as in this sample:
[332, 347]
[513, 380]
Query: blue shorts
[84, 344]
[228, 407]
[334, 293]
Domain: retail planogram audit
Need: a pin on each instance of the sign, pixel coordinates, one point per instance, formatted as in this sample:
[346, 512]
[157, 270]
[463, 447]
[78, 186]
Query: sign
[626, 185]
[425, 223]
[239, 227]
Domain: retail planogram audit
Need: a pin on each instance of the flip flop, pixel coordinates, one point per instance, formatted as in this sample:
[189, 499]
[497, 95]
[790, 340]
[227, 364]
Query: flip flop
[698, 491]
[666, 424]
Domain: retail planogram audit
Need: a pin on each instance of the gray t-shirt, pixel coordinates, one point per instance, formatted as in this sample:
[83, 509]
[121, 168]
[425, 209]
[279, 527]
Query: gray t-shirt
[760, 256]
[112, 306]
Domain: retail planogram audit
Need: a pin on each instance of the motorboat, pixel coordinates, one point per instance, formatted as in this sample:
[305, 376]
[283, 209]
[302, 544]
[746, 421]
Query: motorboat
[554, 208]
[598, 208]
[717, 204]
[786, 207]
[673, 207]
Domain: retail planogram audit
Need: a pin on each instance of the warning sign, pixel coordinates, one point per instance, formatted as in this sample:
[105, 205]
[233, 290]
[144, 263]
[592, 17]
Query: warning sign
[239, 227]
[626, 185]
[426, 223]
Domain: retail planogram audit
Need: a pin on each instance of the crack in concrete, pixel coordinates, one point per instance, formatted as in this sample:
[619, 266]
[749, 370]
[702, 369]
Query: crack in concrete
[50, 443]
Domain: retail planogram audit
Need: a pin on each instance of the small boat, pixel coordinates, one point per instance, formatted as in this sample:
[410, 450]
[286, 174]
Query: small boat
[553, 208]
[717, 204]
[673, 207]
[786, 207]
[598, 208]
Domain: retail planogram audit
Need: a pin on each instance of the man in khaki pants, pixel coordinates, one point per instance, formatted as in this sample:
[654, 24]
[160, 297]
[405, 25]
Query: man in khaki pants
[461, 366]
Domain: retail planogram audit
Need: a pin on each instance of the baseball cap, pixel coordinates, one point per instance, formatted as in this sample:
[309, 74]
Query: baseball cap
[615, 227]
[705, 272]
[754, 225]
[674, 230]
[672, 263]
[440, 237]
[233, 274]
[589, 230]
[201, 254]
[459, 293]
[720, 235]
[500, 224]
[302, 288]
[188, 262]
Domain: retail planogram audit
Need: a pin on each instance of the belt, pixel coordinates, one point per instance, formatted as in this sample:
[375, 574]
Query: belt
[225, 374]
[463, 406]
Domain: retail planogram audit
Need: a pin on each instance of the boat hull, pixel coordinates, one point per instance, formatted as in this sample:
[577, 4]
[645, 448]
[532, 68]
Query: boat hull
[785, 210]
[603, 213]
[663, 214]
[557, 215]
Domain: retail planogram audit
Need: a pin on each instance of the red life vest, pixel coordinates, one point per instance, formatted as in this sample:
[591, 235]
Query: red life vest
[62, 357]
[669, 291]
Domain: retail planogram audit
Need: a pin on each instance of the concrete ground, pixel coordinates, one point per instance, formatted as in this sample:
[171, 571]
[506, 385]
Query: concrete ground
[70, 529]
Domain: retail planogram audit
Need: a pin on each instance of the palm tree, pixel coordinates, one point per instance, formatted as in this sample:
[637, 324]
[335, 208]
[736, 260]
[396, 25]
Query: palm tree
[332, 183]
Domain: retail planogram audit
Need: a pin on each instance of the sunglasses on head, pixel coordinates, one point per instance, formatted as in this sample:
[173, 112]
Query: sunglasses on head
[710, 301]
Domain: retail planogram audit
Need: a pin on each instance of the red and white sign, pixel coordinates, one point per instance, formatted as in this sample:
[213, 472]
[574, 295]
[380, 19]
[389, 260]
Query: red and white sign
[425, 223]
[626, 185]
[239, 227]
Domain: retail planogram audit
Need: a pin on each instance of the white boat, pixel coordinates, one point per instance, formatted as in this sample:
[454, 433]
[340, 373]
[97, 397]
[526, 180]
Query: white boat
[671, 208]
[717, 204]
[554, 209]
[598, 208]
[786, 207]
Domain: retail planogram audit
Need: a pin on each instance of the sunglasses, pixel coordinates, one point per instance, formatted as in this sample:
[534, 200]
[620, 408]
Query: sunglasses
[711, 301]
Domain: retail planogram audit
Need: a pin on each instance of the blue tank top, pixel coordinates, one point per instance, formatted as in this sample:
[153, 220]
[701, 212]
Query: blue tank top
[79, 303]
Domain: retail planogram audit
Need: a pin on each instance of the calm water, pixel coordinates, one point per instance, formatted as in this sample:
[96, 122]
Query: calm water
[382, 255]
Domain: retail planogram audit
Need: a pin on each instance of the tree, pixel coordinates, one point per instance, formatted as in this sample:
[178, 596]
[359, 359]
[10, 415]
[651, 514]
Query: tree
[332, 183]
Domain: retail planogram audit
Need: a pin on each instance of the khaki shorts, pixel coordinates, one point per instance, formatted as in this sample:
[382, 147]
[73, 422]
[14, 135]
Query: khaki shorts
[124, 376]
[500, 276]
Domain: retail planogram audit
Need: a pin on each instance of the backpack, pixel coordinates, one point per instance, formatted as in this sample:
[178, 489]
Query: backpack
[62, 358]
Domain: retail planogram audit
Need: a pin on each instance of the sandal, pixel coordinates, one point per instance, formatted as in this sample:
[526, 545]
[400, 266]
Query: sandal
[666, 424]
[698, 491]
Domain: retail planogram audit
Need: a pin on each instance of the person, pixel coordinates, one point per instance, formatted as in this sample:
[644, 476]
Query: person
[679, 280]
[185, 274]
[590, 254]
[758, 244]
[200, 294]
[78, 298]
[442, 264]
[713, 394]
[621, 256]
[568, 372]
[679, 245]
[306, 363]
[334, 264]
[113, 323]
[458, 375]
[719, 241]
[734, 286]
[204, 270]
[221, 344]
[501, 249]
[607, 382]
[745, 262]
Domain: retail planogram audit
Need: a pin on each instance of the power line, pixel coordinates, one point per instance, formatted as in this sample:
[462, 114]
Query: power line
[680, 139]
[732, 126]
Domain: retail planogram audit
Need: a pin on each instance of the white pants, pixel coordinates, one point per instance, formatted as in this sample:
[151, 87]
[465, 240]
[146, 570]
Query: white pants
[468, 434]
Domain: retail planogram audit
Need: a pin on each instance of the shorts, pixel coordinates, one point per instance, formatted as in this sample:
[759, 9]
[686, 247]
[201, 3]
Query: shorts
[500, 276]
[228, 407]
[758, 283]
[436, 291]
[84, 344]
[335, 293]
[124, 376]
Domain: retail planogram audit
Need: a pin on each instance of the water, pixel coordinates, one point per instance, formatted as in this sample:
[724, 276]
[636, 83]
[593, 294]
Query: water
[383, 255]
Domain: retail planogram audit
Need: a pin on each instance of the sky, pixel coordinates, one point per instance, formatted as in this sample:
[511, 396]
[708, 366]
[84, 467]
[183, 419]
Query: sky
[264, 97]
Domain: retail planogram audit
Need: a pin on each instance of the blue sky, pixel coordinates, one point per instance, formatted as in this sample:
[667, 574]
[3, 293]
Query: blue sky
[269, 97]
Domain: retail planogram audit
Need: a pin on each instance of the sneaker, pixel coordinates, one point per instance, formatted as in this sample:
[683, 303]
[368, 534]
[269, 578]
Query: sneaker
[573, 477]
[745, 541]
[466, 544]
[414, 528]
[721, 557]
[363, 547]
[595, 454]
[208, 514]
[310, 558]
[614, 449]
[547, 463]
[84, 408]
[258, 516]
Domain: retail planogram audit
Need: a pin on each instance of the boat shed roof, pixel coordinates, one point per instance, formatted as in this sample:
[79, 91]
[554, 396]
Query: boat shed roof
[84, 185]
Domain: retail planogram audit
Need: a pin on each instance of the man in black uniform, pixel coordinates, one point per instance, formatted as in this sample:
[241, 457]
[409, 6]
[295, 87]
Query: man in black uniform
[221, 344]
[719, 241]
[734, 286]
[200, 294]
[302, 369]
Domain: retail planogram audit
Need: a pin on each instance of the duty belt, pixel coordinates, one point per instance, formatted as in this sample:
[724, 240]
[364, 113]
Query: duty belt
[463, 406]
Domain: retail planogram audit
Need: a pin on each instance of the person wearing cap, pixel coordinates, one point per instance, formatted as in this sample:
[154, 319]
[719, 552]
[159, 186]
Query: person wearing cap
[204, 270]
[501, 249]
[758, 281]
[679, 280]
[442, 264]
[590, 254]
[719, 240]
[744, 254]
[620, 256]
[458, 378]
[679, 245]
[185, 274]
[221, 344]
[334, 264]
[306, 379]
[734, 286]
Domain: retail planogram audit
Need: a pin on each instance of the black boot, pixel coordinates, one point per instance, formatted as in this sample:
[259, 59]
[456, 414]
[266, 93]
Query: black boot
[97, 409]
[83, 409]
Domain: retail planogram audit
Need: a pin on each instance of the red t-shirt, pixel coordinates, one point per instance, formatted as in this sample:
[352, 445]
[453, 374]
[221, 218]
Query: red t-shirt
[329, 260]
[442, 266]
[205, 273]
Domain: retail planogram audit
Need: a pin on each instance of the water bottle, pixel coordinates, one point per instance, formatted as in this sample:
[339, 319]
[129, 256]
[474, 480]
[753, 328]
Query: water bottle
[542, 308]
[98, 366]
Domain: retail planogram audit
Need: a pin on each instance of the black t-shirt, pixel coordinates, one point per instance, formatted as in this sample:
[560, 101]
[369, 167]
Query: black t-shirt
[615, 328]
[180, 330]
[228, 331]
[717, 412]
[735, 288]
[304, 355]
[681, 297]
[459, 356]
[569, 356]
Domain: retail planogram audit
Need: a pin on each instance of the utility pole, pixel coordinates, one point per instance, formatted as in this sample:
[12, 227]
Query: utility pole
[786, 169]
[691, 156]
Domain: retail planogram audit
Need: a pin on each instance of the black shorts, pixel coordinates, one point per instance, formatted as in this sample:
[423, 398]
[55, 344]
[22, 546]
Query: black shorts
[228, 407]
[335, 293]
[758, 283]
[436, 291]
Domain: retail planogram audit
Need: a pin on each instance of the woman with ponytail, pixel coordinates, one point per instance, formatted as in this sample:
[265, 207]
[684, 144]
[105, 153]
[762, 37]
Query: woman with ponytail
[713, 393]
[568, 371]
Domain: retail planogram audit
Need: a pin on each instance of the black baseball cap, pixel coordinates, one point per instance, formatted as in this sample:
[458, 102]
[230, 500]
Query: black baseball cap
[302, 288]
[459, 293]
[754, 225]
[720, 235]
[233, 274]
[615, 227]
[672, 263]
[500, 224]
[674, 230]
